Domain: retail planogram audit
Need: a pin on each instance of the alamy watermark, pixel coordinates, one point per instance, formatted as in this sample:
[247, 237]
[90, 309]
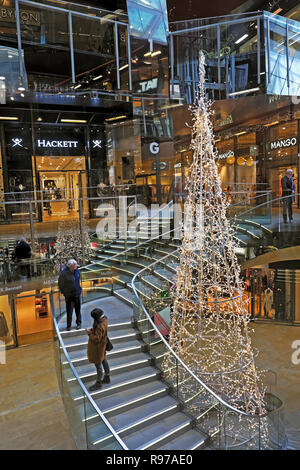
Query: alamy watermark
[132, 221]
[2, 352]
[295, 99]
[296, 354]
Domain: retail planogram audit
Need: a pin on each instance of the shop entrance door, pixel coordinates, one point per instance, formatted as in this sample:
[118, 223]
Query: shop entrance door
[62, 182]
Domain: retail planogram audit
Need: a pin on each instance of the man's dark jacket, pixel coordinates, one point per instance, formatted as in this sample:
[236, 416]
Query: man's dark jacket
[22, 250]
[69, 283]
[288, 185]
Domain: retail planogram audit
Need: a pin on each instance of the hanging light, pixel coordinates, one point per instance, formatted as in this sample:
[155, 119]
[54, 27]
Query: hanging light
[230, 160]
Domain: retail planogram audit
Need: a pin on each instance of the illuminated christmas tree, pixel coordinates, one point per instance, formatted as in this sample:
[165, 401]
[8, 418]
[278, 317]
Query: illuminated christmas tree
[209, 330]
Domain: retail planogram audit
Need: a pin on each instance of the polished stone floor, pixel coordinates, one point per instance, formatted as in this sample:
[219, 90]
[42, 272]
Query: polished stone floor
[32, 415]
[274, 343]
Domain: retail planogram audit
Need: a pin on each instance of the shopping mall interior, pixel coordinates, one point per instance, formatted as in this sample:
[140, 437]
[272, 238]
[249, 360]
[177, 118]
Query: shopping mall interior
[156, 145]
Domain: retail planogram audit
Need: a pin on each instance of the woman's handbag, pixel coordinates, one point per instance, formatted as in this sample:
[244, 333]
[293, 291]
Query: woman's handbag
[109, 345]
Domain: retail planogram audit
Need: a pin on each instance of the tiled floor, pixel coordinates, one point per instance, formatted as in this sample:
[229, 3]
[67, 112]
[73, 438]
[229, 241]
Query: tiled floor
[32, 414]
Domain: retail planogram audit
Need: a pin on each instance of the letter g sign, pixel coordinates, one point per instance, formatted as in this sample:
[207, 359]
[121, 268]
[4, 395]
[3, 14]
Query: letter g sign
[154, 147]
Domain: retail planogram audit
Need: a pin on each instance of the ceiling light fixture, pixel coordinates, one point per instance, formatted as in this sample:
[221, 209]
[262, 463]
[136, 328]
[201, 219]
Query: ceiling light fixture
[241, 133]
[271, 123]
[114, 118]
[77, 86]
[74, 120]
[9, 118]
[124, 67]
[97, 78]
[155, 53]
[251, 90]
[241, 39]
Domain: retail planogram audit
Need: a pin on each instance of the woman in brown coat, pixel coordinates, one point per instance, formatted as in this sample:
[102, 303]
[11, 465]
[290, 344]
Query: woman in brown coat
[97, 347]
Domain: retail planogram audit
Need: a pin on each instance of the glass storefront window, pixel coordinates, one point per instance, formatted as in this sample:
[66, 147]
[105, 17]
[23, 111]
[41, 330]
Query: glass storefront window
[281, 154]
[246, 161]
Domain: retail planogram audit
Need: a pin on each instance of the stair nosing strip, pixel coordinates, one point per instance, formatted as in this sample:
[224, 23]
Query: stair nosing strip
[116, 351]
[113, 368]
[144, 420]
[136, 400]
[122, 384]
[164, 436]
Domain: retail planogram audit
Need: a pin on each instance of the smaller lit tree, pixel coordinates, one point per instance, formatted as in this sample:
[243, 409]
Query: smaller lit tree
[72, 242]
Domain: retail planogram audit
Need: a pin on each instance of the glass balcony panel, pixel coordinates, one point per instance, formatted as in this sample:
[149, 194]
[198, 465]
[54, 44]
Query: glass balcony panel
[41, 41]
[99, 436]
[123, 57]
[94, 54]
[73, 399]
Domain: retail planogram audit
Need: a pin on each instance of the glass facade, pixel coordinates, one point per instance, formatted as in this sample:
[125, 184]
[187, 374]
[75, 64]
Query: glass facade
[244, 55]
[148, 20]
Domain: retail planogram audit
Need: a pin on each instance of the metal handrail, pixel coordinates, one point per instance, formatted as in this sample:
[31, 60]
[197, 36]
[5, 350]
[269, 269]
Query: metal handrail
[269, 202]
[135, 290]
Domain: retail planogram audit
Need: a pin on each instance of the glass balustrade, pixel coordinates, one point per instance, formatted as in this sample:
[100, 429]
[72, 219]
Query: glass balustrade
[226, 427]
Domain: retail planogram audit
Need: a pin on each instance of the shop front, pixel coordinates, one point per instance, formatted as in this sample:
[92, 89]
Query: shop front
[25, 315]
[282, 154]
[54, 167]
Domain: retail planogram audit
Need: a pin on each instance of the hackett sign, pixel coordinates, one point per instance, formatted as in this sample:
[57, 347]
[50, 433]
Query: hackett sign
[278, 144]
[57, 143]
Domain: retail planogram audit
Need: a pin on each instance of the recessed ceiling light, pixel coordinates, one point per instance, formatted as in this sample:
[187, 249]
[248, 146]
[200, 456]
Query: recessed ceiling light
[74, 120]
[114, 118]
[241, 39]
[9, 118]
[271, 123]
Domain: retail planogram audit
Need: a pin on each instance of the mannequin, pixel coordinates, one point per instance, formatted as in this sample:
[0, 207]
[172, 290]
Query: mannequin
[268, 301]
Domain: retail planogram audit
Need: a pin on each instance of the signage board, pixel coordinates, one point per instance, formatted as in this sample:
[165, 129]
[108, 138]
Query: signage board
[225, 155]
[283, 143]
[28, 17]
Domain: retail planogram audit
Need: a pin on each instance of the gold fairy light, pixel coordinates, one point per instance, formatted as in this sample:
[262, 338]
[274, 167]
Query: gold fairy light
[209, 330]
